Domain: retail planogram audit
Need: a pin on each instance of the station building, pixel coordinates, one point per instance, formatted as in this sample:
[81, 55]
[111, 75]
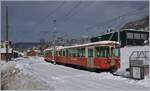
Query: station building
[128, 37]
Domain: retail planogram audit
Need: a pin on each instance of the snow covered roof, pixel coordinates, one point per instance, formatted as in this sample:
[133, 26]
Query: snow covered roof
[59, 47]
[51, 48]
[95, 43]
[87, 44]
[130, 29]
[37, 51]
[3, 50]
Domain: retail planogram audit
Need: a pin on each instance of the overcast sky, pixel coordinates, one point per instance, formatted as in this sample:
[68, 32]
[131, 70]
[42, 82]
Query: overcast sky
[29, 21]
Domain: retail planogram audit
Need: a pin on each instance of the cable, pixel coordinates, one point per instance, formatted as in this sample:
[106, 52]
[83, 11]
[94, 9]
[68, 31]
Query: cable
[71, 10]
[114, 19]
[49, 15]
[76, 11]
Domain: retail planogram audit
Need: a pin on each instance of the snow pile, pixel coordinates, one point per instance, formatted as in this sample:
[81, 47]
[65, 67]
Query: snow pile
[17, 75]
[145, 82]
[18, 59]
[109, 76]
[2, 62]
[33, 73]
[122, 72]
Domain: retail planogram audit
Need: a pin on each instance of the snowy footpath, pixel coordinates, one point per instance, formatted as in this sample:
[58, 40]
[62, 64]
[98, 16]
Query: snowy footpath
[35, 74]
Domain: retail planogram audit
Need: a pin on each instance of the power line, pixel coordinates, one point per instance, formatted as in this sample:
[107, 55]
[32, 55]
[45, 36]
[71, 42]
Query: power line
[77, 11]
[114, 19]
[71, 11]
[49, 15]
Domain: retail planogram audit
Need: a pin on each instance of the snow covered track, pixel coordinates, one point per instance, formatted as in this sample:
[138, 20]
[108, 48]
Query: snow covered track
[43, 75]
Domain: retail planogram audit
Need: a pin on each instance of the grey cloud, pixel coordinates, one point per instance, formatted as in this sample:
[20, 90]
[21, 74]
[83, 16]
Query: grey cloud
[31, 21]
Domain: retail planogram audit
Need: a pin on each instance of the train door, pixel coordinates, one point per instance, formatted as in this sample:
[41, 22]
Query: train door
[90, 55]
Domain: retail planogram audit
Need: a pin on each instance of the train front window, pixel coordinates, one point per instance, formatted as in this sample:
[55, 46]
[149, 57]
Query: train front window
[116, 52]
[47, 53]
[102, 52]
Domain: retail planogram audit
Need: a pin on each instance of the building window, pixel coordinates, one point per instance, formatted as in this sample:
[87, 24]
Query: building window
[144, 36]
[136, 35]
[129, 35]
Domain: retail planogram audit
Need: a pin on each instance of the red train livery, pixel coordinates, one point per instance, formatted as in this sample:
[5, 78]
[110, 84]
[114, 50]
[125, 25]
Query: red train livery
[98, 55]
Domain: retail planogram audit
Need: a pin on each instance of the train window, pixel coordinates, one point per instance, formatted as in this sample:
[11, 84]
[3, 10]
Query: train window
[78, 52]
[72, 51]
[63, 52]
[116, 52]
[144, 36]
[47, 53]
[60, 53]
[90, 52]
[129, 35]
[67, 53]
[102, 52]
[55, 52]
[82, 53]
[75, 52]
[136, 35]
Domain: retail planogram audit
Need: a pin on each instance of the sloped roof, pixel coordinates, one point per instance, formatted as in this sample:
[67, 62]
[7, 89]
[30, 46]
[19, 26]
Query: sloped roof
[3, 50]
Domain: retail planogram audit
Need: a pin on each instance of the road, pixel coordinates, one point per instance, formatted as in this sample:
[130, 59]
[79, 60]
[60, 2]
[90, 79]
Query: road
[60, 77]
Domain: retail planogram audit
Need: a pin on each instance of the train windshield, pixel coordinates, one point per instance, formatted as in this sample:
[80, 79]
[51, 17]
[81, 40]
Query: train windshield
[102, 51]
[48, 53]
[116, 52]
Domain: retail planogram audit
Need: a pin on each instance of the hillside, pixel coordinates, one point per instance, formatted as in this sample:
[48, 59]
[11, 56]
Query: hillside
[142, 24]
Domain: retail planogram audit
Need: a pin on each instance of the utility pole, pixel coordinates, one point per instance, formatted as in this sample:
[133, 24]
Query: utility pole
[119, 31]
[54, 35]
[7, 42]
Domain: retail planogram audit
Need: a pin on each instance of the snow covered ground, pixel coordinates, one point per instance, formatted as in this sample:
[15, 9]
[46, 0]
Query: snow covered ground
[35, 73]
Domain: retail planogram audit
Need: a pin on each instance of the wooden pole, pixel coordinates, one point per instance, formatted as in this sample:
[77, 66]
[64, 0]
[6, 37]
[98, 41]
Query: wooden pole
[7, 42]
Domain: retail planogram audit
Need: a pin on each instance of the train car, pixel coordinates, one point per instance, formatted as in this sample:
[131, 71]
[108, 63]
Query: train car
[102, 55]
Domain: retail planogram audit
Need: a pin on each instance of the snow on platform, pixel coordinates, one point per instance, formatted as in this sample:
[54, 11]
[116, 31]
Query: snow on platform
[59, 77]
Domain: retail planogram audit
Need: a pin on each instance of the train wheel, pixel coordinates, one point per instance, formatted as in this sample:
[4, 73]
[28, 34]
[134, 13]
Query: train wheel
[91, 69]
[53, 62]
[112, 70]
[97, 70]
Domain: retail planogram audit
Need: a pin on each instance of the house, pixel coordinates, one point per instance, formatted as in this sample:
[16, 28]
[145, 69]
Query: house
[3, 53]
[32, 52]
[128, 37]
[3, 50]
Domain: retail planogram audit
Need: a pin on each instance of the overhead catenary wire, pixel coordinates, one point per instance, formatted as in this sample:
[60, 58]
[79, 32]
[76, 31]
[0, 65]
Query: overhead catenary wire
[49, 15]
[74, 13]
[67, 15]
[114, 19]
[71, 11]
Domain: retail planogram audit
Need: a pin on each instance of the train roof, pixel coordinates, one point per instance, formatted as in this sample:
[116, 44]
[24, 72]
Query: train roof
[94, 43]
[86, 45]
[51, 48]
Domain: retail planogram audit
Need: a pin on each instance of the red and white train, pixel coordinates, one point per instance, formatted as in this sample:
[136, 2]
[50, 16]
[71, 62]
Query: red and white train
[104, 55]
